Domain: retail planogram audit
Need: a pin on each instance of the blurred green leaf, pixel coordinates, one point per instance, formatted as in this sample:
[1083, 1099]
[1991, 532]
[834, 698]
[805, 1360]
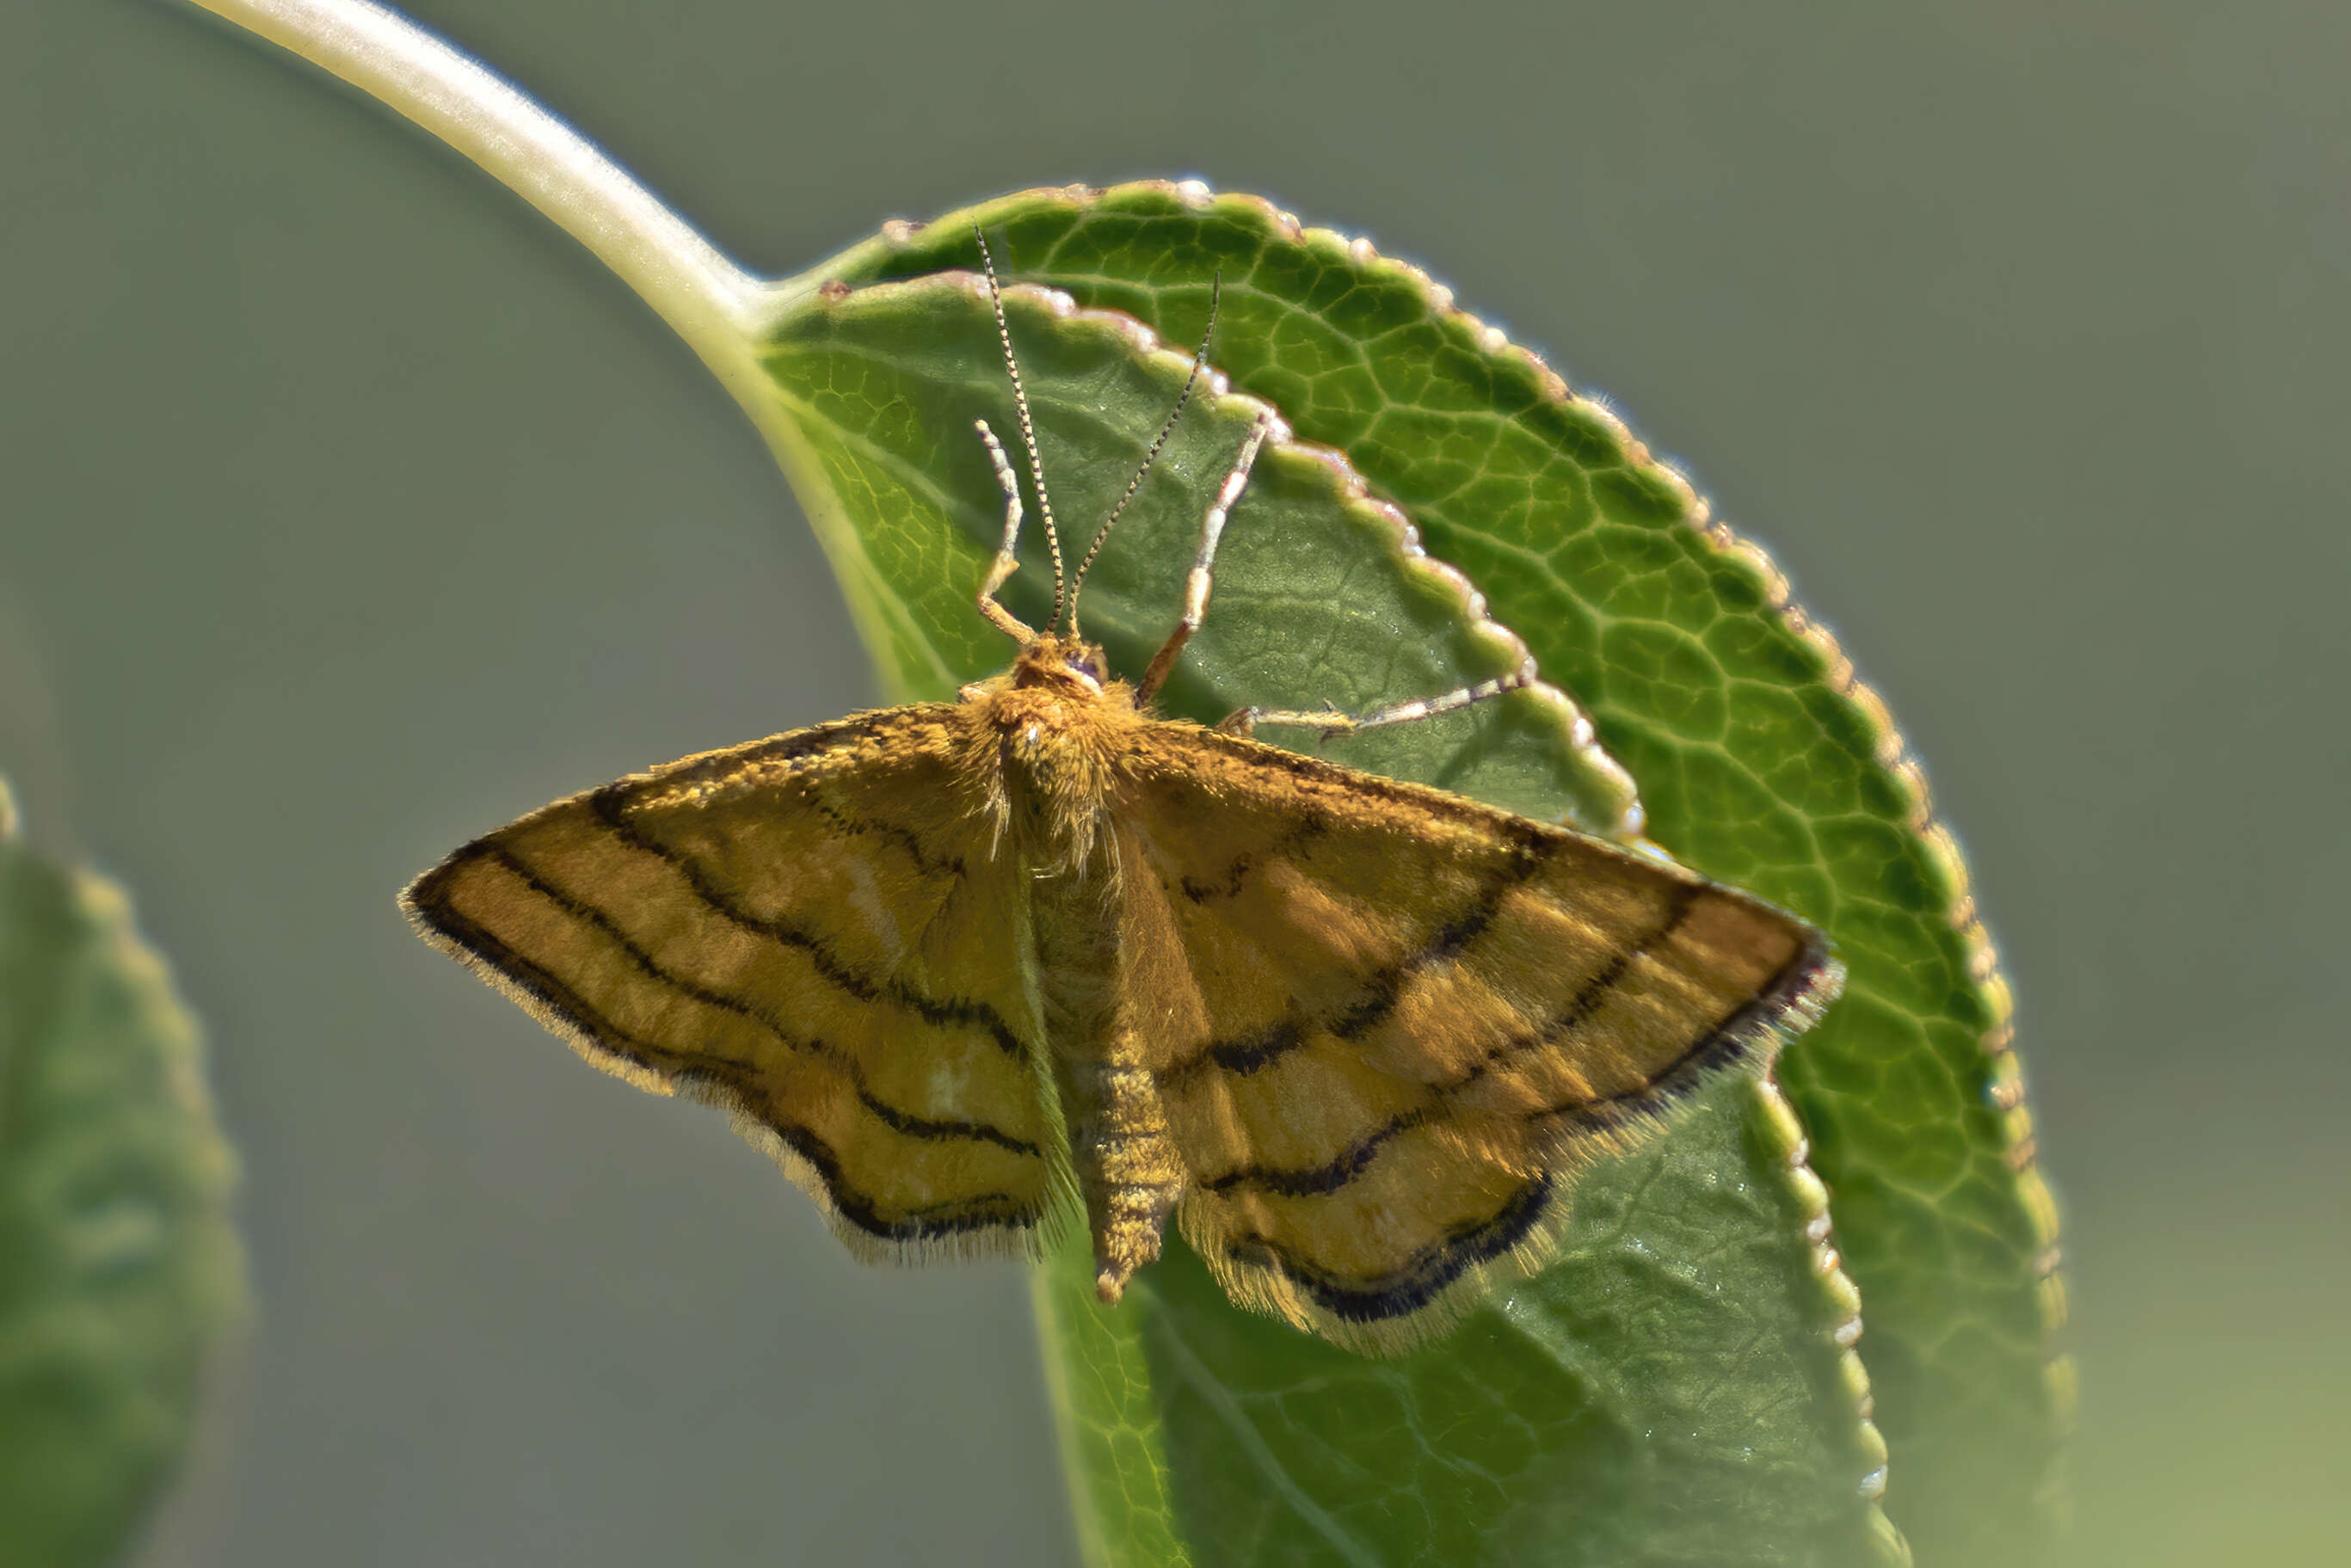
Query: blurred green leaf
[1673, 1390]
[118, 1265]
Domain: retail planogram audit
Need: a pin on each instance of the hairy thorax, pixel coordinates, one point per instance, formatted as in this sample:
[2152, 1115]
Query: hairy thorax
[1054, 734]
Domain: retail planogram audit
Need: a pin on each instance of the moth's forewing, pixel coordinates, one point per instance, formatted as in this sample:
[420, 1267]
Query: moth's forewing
[810, 931]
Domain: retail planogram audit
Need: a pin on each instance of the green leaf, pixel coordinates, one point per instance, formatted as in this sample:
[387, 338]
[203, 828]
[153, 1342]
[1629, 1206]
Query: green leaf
[1673, 1390]
[118, 1265]
[1761, 759]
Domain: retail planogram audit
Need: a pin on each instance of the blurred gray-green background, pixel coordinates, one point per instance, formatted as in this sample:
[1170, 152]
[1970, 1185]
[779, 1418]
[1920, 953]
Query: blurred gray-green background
[352, 510]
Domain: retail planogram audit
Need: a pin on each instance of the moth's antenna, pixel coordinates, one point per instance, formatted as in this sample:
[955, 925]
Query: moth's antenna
[1028, 428]
[1199, 363]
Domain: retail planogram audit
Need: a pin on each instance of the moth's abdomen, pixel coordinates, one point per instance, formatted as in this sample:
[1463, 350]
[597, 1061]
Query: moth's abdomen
[1129, 1173]
[1128, 1169]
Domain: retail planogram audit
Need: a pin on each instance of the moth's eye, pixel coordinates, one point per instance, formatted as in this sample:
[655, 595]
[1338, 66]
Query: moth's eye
[1085, 665]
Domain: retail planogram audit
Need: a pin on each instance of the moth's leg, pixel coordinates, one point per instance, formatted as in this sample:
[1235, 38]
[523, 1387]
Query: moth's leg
[1005, 562]
[1196, 586]
[1331, 721]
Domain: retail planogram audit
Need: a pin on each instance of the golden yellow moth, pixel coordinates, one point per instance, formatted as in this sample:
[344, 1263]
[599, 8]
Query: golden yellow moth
[966, 968]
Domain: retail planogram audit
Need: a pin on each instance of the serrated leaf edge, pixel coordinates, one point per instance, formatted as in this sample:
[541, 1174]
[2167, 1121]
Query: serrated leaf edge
[1784, 1136]
[1892, 753]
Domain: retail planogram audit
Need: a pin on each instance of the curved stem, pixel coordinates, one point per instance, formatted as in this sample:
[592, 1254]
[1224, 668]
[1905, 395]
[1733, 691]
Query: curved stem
[712, 303]
[721, 310]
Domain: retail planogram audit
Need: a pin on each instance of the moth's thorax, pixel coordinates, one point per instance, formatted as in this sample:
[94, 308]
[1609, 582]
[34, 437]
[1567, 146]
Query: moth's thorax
[1058, 729]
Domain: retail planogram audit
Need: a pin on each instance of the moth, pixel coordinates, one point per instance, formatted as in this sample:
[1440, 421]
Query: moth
[968, 970]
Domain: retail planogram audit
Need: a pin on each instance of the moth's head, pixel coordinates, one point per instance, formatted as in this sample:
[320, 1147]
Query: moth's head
[1064, 664]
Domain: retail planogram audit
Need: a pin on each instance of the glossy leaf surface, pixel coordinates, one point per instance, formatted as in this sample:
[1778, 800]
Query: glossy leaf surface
[1673, 1390]
[1759, 757]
